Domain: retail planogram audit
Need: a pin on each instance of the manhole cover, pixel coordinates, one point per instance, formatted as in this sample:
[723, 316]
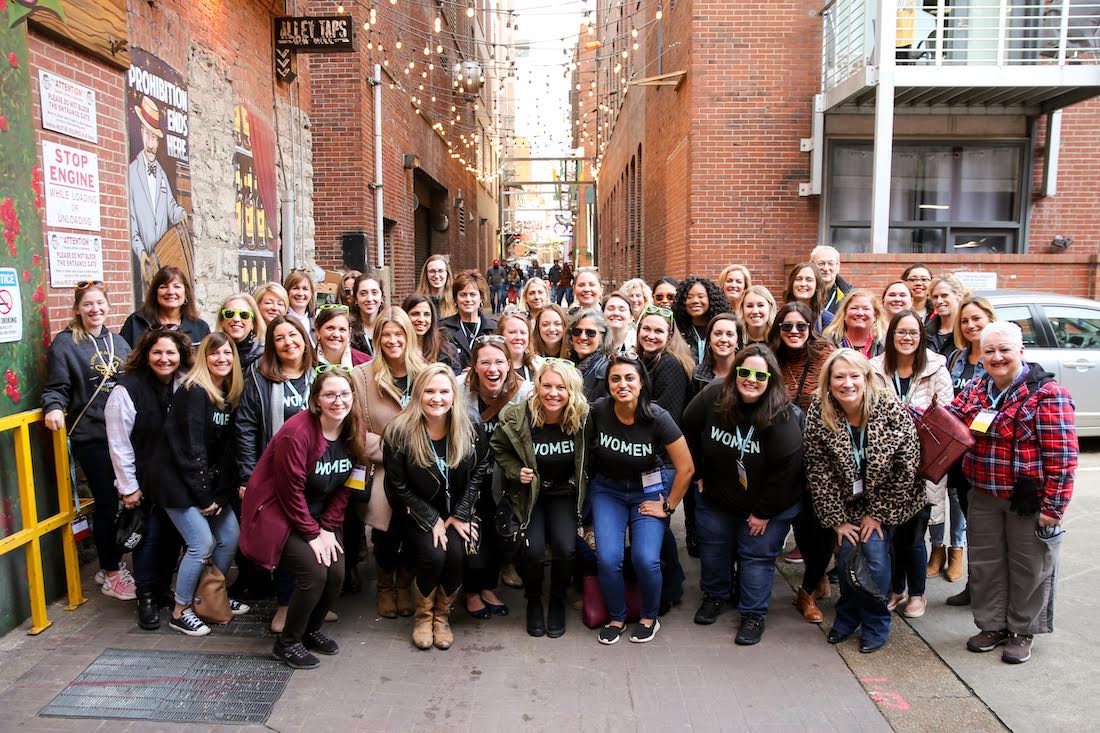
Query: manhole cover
[177, 686]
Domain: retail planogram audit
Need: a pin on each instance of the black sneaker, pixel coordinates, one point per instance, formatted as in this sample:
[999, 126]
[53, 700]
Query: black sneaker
[147, 612]
[237, 608]
[295, 656]
[190, 624]
[320, 643]
[642, 633]
[709, 610]
[752, 628]
[610, 634]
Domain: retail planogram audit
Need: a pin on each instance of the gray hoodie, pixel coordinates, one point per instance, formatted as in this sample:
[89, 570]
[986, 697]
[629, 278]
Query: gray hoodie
[73, 372]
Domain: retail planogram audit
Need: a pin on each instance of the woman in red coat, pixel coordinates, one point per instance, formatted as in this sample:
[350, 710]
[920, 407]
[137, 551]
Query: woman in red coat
[293, 510]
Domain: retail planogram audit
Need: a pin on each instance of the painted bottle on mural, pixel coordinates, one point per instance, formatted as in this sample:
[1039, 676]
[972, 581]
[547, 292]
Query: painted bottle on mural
[238, 212]
[249, 212]
[246, 136]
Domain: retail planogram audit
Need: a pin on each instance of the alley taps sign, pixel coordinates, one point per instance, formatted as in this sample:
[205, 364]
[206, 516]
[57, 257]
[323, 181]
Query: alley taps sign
[314, 33]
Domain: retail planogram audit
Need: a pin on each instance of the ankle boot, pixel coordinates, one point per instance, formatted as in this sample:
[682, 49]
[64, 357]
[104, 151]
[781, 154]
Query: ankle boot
[823, 589]
[808, 607]
[555, 616]
[422, 620]
[441, 618]
[954, 564]
[962, 598]
[936, 559]
[387, 596]
[147, 612]
[352, 582]
[536, 622]
[405, 606]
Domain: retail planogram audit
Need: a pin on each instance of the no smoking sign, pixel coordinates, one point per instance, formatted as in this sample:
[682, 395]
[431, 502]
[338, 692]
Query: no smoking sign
[11, 310]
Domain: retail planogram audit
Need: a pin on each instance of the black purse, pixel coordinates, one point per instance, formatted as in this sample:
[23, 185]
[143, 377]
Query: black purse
[506, 522]
[858, 572]
[131, 528]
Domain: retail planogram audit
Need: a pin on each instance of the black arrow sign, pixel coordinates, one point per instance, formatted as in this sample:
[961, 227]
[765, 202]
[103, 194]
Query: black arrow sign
[284, 70]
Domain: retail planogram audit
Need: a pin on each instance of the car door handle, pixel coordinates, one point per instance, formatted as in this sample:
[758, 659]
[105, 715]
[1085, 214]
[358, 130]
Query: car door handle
[1081, 364]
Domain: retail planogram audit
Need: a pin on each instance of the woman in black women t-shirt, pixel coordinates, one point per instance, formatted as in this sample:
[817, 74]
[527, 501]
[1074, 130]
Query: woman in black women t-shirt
[747, 445]
[632, 442]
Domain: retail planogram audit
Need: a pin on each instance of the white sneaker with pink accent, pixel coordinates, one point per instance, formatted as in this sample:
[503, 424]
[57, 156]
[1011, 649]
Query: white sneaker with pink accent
[121, 586]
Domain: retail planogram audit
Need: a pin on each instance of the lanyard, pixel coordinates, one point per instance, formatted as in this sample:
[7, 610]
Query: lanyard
[897, 386]
[477, 329]
[832, 298]
[995, 402]
[297, 395]
[802, 379]
[859, 446]
[743, 442]
[445, 471]
[700, 344]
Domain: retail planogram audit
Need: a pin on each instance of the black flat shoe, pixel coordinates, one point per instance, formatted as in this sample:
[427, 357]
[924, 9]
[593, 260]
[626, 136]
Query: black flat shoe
[497, 609]
[835, 637]
[869, 647]
[481, 614]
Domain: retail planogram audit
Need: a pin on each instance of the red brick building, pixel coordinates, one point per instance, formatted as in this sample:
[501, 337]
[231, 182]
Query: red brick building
[700, 139]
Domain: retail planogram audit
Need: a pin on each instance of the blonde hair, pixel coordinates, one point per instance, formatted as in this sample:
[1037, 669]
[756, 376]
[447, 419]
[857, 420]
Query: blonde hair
[446, 298]
[734, 268]
[978, 301]
[835, 331]
[200, 372]
[279, 291]
[259, 328]
[409, 429]
[576, 409]
[537, 281]
[528, 353]
[764, 293]
[76, 323]
[950, 280]
[831, 413]
[295, 277]
[675, 347]
[634, 284]
[414, 362]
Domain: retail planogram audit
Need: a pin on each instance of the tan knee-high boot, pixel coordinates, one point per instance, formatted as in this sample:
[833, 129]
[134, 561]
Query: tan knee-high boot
[387, 599]
[404, 592]
[441, 626]
[422, 621]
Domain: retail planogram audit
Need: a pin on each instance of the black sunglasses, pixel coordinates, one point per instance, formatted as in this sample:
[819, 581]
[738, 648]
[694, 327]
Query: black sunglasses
[801, 327]
[586, 332]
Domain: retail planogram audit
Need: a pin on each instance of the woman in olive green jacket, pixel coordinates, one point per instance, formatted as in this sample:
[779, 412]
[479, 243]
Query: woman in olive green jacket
[540, 446]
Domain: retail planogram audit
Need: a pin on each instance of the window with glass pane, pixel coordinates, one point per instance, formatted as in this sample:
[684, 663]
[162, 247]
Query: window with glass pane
[1021, 316]
[1074, 328]
[962, 198]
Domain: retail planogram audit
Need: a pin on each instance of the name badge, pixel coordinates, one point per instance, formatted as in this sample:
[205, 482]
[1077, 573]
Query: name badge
[857, 487]
[357, 479]
[742, 476]
[651, 481]
[983, 421]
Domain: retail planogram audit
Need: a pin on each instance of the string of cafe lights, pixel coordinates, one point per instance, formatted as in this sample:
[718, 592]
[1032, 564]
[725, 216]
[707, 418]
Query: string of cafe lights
[408, 60]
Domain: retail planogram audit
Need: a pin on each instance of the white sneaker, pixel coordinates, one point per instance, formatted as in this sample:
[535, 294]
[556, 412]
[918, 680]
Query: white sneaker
[101, 576]
[121, 586]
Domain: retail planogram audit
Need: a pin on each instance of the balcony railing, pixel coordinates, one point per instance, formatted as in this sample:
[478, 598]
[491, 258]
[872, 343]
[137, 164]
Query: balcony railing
[961, 33]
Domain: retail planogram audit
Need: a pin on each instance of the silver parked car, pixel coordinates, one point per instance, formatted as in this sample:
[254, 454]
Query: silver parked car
[1062, 333]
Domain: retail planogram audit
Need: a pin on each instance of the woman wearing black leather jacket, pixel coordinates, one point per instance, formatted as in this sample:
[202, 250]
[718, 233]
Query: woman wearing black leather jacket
[436, 462]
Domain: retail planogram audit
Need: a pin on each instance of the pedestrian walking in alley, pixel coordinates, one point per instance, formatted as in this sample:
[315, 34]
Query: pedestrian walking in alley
[83, 365]
[497, 278]
[746, 441]
[564, 294]
[437, 463]
[861, 454]
[1021, 472]
[639, 468]
[293, 511]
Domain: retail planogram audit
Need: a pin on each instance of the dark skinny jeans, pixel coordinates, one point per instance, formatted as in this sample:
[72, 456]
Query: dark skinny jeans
[554, 517]
[316, 587]
[483, 569]
[815, 542]
[437, 566]
[910, 555]
[95, 461]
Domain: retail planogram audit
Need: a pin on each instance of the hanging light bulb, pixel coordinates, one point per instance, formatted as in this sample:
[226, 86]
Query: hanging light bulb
[438, 24]
[660, 12]
[470, 12]
[373, 16]
[439, 48]
[339, 8]
[397, 45]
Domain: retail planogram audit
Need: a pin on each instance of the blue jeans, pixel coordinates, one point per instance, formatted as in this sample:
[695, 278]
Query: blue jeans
[958, 522]
[615, 504]
[853, 609]
[910, 569]
[721, 536]
[563, 294]
[498, 295]
[205, 537]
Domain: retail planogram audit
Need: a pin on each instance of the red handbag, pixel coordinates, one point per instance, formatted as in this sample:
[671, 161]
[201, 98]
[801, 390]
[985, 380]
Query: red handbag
[595, 608]
[943, 441]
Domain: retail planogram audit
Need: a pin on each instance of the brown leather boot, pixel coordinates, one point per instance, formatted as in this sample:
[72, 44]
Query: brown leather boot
[808, 607]
[441, 622]
[422, 621]
[954, 564]
[405, 605]
[387, 596]
[823, 589]
[936, 560]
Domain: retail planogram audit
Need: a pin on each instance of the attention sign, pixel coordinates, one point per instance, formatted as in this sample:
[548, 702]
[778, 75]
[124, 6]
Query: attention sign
[67, 107]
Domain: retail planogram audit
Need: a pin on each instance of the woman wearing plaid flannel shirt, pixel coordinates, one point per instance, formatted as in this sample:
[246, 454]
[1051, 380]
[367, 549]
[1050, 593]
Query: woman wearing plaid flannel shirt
[1021, 472]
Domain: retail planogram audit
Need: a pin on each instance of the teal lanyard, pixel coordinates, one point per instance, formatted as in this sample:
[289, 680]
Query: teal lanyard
[897, 386]
[995, 402]
[445, 471]
[743, 442]
[859, 446]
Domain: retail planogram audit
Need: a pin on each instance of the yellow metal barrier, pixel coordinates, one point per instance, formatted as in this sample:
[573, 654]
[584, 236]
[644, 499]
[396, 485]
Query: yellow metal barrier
[33, 529]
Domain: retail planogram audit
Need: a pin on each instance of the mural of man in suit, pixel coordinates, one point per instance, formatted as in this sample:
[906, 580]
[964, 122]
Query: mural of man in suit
[153, 206]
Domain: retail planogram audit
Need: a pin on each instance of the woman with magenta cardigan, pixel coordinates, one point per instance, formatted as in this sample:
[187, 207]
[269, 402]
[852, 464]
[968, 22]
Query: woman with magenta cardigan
[293, 511]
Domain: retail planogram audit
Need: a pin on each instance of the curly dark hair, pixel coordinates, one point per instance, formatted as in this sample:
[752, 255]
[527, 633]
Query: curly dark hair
[715, 298]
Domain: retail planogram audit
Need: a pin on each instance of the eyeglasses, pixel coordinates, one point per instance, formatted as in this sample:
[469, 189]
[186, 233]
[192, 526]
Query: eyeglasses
[229, 314]
[590, 333]
[338, 307]
[659, 310]
[85, 284]
[347, 291]
[918, 279]
[322, 369]
[907, 334]
[336, 396]
[165, 327]
[489, 338]
[746, 373]
[557, 361]
[801, 327]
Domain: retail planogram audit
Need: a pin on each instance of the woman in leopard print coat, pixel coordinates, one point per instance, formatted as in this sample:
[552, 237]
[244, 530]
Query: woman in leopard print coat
[862, 455]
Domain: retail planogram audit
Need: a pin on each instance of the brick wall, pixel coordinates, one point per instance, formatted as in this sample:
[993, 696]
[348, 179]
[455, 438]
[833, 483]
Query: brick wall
[1075, 209]
[109, 86]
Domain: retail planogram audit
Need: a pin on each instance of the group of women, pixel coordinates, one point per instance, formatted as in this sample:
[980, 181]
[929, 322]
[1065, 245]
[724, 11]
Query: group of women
[470, 445]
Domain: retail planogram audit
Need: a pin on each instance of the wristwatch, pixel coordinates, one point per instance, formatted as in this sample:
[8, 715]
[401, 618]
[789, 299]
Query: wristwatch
[669, 510]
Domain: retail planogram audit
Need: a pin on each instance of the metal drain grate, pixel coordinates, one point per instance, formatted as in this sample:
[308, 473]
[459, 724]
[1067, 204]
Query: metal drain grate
[196, 687]
[254, 624]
